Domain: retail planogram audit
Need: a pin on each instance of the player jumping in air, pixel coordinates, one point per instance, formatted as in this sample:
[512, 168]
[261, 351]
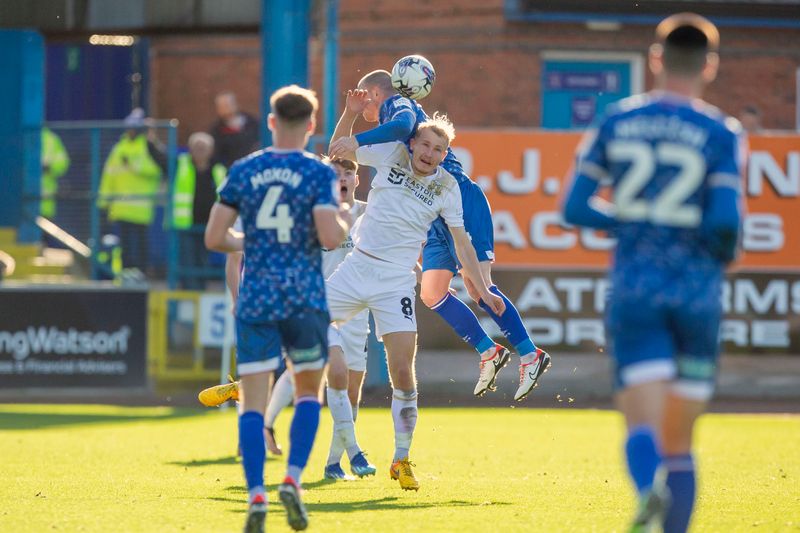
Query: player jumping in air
[376, 100]
[409, 191]
[287, 203]
[673, 163]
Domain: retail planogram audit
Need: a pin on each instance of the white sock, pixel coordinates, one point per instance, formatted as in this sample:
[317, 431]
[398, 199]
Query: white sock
[282, 396]
[527, 358]
[343, 427]
[404, 415]
[355, 413]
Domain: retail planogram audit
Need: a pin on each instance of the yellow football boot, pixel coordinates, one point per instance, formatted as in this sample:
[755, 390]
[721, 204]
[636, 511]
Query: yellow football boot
[401, 471]
[219, 394]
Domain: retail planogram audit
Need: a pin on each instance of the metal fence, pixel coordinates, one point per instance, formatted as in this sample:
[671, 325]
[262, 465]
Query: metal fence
[156, 251]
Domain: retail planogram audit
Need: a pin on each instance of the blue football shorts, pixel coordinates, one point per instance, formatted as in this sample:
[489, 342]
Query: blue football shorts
[302, 337]
[439, 252]
[671, 335]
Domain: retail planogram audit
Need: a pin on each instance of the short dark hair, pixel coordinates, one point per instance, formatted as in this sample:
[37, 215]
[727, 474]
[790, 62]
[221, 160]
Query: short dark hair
[293, 104]
[686, 40]
[377, 78]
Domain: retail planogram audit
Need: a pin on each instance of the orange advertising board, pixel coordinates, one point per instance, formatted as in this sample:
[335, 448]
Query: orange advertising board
[524, 174]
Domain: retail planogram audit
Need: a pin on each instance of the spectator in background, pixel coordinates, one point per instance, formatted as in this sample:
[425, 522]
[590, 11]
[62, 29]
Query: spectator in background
[235, 132]
[196, 182]
[130, 181]
[55, 163]
[750, 117]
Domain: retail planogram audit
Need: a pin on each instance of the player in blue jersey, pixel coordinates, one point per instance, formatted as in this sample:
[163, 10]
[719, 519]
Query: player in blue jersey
[376, 100]
[673, 164]
[286, 199]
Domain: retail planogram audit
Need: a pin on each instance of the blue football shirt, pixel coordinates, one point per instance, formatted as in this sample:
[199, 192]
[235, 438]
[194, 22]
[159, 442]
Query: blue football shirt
[662, 155]
[275, 192]
[396, 104]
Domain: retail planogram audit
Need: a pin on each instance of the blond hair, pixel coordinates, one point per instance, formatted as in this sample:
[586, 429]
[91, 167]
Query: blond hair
[440, 125]
[341, 162]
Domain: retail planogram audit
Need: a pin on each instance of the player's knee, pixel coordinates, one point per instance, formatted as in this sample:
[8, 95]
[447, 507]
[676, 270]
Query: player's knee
[431, 295]
[404, 379]
[675, 442]
[337, 377]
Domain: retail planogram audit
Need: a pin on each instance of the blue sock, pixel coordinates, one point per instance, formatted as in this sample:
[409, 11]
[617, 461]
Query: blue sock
[464, 322]
[681, 483]
[251, 439]
[511, 324]
[301, 434]
[643, 457]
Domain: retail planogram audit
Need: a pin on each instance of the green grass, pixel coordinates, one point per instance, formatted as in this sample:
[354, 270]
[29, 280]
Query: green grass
[101, 468]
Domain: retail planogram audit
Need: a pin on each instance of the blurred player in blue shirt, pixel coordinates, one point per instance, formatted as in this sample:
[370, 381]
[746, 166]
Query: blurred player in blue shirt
[287, 203]
[399, 117]
[673, 163]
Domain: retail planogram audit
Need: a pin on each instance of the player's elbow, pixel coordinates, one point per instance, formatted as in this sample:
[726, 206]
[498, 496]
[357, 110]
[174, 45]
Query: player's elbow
[211, 239]
[571, 210]
[403, 129]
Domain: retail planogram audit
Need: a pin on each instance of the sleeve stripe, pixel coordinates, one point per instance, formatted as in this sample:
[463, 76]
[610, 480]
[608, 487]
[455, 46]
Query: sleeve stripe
[592, 170]
[722, 179]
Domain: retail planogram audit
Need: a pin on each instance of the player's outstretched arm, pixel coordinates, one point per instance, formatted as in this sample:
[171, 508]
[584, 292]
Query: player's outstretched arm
[397, 128]
[582, 208]
[219, 236]
[356, 102]
[333, 224]
[469, 261]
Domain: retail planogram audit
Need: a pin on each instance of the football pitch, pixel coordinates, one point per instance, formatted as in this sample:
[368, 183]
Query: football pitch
[106, 468]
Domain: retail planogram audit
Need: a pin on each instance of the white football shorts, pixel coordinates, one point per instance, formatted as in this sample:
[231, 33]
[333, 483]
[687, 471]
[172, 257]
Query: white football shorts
[364, 282]
[351, 337]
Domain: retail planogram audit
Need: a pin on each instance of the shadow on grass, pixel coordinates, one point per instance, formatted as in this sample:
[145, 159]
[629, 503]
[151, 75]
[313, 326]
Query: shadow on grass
[240, 489]
[229, 460]
[26, 421]
[381, 504]
[225, 460]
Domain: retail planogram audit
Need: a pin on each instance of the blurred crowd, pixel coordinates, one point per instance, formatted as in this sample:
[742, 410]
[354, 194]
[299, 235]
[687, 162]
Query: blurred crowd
[134, 172]
[136, 169]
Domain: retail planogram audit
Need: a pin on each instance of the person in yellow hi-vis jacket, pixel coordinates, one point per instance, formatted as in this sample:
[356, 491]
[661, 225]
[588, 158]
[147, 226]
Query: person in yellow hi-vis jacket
[130, 181]
[195, 191]
[55, 163]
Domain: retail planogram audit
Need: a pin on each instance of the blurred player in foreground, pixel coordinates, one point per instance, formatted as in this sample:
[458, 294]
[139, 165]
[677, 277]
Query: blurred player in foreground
[347, 356]
[376, 100]
[286, 200]
[674, 164]
[409, 191]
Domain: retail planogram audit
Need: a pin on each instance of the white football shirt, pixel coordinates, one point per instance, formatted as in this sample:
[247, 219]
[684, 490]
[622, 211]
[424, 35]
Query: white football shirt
[332, 258]
[401, 205]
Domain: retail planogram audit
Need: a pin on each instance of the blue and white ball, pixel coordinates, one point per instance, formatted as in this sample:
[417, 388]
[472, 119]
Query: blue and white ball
[413, 77]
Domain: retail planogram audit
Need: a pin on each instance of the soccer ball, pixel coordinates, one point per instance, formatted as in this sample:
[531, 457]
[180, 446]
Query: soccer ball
[413, 77]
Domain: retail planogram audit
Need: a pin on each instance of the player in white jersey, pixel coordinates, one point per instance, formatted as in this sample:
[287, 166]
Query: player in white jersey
[409, 191]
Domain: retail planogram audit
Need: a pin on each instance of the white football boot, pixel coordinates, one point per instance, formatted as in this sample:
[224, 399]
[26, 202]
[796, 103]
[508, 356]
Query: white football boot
[529, 374]
[492, 361]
